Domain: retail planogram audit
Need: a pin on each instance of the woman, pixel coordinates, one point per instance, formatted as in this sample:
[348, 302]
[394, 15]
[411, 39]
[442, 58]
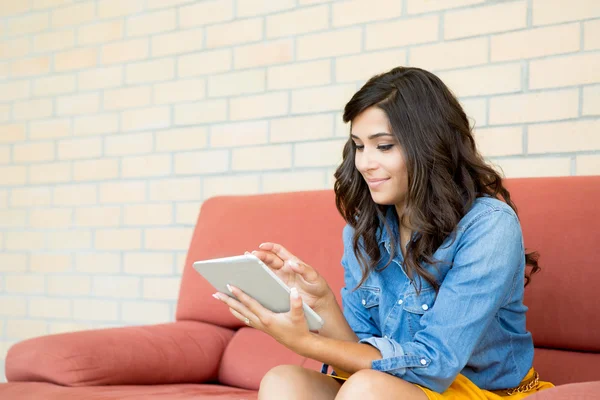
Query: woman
[434, 264]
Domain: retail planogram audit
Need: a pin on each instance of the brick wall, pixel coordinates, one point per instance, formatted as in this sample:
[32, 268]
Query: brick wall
[119, 117]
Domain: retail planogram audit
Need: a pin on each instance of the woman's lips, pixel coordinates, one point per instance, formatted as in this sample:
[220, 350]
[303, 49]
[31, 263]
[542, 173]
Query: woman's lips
[374, 183]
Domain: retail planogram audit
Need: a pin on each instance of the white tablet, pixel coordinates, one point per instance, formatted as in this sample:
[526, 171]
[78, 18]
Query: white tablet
[254, 278]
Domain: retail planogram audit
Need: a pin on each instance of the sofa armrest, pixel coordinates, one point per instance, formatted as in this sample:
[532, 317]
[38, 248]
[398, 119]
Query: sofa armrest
[178, 352]
[574, 391]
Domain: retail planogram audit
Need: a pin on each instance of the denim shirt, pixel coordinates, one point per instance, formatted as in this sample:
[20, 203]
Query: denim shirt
[474, 326]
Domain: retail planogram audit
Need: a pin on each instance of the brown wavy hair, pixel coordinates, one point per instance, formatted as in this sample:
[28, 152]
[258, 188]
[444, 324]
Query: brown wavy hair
[445, 171]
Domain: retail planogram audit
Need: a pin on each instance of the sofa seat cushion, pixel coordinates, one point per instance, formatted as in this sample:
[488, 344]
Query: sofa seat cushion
[50, 391]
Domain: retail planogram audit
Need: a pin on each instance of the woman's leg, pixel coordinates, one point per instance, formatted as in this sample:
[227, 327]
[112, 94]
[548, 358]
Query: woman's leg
[369, 384]
[295, 383]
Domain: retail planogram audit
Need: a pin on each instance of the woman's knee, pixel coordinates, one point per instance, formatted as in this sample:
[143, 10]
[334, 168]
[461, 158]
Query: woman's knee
[282, 375]
[361, 385]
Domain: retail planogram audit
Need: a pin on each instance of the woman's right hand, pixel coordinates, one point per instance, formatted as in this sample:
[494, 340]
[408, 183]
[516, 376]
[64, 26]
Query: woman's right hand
[311, 286]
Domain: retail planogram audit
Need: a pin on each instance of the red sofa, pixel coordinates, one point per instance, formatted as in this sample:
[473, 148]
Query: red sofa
[206, 353]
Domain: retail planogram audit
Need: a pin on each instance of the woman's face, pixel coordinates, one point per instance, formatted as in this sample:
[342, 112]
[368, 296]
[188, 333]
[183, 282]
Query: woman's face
[379, 158]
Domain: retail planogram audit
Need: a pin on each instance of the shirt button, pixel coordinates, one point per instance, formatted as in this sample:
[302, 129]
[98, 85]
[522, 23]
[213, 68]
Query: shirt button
[423, 361]
[364, 302]
[399, 301]
[385, 336]
[425, 307]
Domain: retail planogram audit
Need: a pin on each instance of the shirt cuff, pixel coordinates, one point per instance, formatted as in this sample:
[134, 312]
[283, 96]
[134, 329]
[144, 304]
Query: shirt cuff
[393, 359]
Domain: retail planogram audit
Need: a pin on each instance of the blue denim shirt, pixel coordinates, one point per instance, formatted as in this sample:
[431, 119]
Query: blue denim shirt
[474, 326]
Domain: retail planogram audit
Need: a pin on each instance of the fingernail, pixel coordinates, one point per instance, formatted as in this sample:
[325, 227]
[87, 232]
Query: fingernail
[261, 245]
[216, 296]
[254, 251]
[229, 288]
[293, 263]
[294, 293]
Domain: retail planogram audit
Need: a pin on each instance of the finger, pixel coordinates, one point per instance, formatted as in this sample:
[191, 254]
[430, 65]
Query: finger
[307, 272]
[253, 320]
[250, 304]
[296, 311]
[233, 303]
[278, 249]
[270, 259]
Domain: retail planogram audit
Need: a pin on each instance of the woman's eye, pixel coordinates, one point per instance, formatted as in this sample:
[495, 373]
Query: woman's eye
[359, 146]
[385, 147]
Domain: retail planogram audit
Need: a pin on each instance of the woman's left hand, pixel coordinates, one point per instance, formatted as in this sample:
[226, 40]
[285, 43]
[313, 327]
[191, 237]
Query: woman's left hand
[289, 329]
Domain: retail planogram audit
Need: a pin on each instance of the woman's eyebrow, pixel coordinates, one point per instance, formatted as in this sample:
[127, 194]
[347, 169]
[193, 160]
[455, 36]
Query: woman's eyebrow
[373, 136]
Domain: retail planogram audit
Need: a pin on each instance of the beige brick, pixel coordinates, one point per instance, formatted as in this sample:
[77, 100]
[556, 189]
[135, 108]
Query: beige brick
[200, 113]
[128, 97]
[587, 165]
[168, 238]
[75, 14]
[146, 263]
[299, 75]
[119, 8]
[591, 36]
[301, 128]
[328, 44]
[249, 8]
[187, 213]
[535, 42]
[564, 71]
[150, 71]
[204, 63]
[118, 239]
[96, 310]
[149, 214]
[13, 218]
[96, 170]
[297, 22]
[5, 154]
[27, 284]
[150, 23]
[120, 287]
[262, 158]
[100, 78]
[153, 4]
[12, 133]
[73, 149]
[237, 83]
[321, 99]
[14, 262]
[75, 59]
[532, 107]
[96, 124]
[49, 308]
[591, 100]
[50, 172]
[564, 137]
[27, 24]
[420, 6]
[161, 288]
[104, 216]
[146, 166]
[101, 32]
[125, 51]
[33, 152]
[365, 66]
[78, 104]
[258, 106]
[179, 91]
[535, 167]
[31, 109]
[56, 128]
[230, 185]
[53, 85]
[319, 154]
[181, 259]
[123, 192]
[53, 41]
[145, 312]
[13, 306]
[239, 134]
[486, 19]
[48, 262]
[293, 181]
[256, 55]
[13, 175]
[494, 79]
[66, 327]
[382, 35]
[30, 66]
[502, 141]
[50, 218]
[146, 118]
[232, 33]
[178, 42]
[70, 240]
[97, 263]
[358, 11]
[181, 139]
[30, 197]
[69, 286]
[75, 195]
[4, 112]
[22, 329]
[42, 4]
[176, 190]
[14, 48]
[201, 162]
[552, 11]
[455, 54]
[206, 12]
[136, 143]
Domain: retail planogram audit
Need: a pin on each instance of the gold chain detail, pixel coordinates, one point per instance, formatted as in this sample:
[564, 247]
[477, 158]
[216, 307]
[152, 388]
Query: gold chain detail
[526, 387]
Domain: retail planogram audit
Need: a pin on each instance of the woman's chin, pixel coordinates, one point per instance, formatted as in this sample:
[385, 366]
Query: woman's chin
[382, 199]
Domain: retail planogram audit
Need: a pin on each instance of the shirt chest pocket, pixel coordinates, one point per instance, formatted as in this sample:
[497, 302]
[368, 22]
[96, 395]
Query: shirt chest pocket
[415, 306]
[369, 298]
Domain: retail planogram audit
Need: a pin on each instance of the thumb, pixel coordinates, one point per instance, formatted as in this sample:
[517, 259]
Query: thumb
[296, 311]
